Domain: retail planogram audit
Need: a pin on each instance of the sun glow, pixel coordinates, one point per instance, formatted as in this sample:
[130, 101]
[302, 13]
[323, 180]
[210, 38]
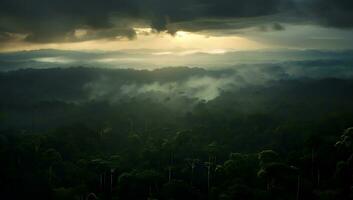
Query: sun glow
[79, 33]
[181, 34]
[147, 38]
[53, 60]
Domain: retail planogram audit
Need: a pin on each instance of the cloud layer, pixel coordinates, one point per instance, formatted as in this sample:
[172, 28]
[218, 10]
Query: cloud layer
[44, 21]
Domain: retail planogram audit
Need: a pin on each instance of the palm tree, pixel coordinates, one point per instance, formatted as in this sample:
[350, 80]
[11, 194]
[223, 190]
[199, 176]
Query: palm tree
[169, 147]
[268, 161]
[314, 142]
[192, 163]
[298, 180]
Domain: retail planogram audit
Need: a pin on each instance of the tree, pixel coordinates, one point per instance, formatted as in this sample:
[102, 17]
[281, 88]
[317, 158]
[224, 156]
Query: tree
[51, 157]
[192, 162]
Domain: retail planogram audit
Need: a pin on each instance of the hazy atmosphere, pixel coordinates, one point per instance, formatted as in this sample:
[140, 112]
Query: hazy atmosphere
[176, 99]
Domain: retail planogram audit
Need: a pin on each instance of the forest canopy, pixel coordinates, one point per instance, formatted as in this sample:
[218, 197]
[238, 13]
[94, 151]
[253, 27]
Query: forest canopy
[175, 133]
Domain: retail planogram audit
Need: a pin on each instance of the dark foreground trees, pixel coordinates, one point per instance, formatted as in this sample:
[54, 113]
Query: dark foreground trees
[57, 166]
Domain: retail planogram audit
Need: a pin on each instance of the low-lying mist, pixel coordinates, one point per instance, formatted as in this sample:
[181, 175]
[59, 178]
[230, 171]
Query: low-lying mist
[57, 96]
[154, 59]
[209, 84]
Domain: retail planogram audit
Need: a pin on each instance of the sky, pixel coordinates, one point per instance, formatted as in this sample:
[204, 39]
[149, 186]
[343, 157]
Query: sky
[175, 26]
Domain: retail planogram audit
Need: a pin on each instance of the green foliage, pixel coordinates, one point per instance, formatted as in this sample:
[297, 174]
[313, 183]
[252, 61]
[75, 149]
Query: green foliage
[258, 143]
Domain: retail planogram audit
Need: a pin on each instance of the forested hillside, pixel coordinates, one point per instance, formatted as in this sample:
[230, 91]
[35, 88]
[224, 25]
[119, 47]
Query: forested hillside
[174, 133]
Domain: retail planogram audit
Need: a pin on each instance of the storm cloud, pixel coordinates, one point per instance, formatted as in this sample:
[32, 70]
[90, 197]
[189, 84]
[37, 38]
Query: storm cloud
[44, 21]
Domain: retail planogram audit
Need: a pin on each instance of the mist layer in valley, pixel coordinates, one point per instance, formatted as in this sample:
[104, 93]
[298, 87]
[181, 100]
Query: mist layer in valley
[52, 96]
[154, 59]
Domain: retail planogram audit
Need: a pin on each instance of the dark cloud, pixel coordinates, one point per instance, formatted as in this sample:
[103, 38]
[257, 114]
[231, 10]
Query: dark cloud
[333, 13]
[4, 36]
[277, 27]
[43, 21]
[54, 20]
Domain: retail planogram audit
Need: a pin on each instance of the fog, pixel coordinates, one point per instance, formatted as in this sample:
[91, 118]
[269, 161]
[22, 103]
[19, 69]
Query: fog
[25, 79]
[153, 59]
[209, 84]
